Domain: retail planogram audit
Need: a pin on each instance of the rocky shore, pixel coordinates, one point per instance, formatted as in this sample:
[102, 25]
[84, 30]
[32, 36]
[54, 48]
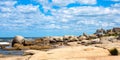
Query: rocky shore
[67, 47]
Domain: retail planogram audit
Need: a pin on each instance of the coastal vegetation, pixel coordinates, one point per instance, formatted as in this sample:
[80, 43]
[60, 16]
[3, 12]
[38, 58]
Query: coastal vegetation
[114, 51]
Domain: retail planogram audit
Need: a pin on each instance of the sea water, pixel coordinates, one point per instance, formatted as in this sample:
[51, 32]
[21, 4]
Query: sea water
[12, 52]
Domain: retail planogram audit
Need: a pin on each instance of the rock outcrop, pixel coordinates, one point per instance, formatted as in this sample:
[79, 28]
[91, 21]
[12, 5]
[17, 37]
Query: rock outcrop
[19, 40]
[68, 53]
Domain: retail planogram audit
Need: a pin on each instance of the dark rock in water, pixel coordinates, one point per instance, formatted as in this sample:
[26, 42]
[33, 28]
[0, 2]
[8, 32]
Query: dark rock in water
[18, 39]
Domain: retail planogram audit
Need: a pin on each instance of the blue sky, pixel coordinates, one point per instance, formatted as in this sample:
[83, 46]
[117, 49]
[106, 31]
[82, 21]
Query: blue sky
[35, 18]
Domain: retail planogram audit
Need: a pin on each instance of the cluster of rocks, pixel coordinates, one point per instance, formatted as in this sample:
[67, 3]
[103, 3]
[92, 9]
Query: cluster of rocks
[50, 42]
[19, 42]
[109, 32]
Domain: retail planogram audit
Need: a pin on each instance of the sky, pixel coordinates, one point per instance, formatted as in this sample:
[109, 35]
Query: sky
[36, 18]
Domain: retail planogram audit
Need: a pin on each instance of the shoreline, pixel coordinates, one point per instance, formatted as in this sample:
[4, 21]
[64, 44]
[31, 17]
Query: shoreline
[67, 47]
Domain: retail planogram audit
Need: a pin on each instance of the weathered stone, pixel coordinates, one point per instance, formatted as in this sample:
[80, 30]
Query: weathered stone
[82, 38]
[42, 41]
[18, 39]
[28, 43]
[72, 43]
[116, 30]
[93, 36]
[95, 41]
[118, 37]
[20, 47]
[68, 53]
[85, 42]
[100, 32]
[84, 34]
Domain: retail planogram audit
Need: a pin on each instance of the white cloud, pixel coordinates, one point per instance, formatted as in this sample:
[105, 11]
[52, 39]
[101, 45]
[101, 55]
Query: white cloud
[66, 2]
[117, 5]
[63, 3]
[52, 26]
[8, 3]
[27, 17]
[88, 16]
[88, 10]
[27, 8]
[87, 1]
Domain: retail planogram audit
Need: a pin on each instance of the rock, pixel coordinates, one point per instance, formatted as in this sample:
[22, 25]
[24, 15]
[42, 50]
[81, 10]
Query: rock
[84, 34]
[21, 47]
[82, 38]
[80, 51]
[29, 43]
[116, 30]
[57, 39]
[68, 53]
[18, 39]
[106, 40]
[73, 38]
[66, 38]
[118, 37]
[93, 36]
[85, 42]
[72, 43]
[42, 41]
[95, 41]
[100, 32]
[110, 32]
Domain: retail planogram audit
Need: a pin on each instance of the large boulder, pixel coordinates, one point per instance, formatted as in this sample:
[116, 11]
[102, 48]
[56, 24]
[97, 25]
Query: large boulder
[18, 40]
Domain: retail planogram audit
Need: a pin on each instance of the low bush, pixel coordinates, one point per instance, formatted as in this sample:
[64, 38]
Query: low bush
[114, 51]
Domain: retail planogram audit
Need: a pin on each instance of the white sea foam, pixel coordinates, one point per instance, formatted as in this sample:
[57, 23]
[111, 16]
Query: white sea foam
[4, 43]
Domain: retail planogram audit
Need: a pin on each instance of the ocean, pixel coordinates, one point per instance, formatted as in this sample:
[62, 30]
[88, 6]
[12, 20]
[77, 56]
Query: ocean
[14, 52]
[9, 39]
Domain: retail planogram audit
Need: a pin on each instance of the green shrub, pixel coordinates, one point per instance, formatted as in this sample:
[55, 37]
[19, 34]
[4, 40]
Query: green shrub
[114, 51]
